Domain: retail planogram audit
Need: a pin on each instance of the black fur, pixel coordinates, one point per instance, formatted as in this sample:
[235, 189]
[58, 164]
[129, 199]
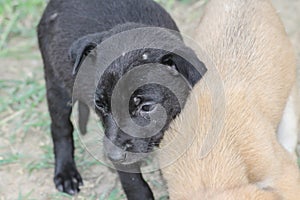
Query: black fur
[67, 32]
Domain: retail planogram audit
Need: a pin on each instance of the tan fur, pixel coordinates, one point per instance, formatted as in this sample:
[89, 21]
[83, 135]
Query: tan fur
[297, 106]
[251, 53]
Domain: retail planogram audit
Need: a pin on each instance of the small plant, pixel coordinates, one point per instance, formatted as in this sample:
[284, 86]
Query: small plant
[19, 18]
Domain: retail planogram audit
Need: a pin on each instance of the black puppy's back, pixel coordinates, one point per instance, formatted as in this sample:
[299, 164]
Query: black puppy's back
[65, 21]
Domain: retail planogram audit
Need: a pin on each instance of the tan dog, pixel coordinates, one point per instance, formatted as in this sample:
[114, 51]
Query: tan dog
[251, 53]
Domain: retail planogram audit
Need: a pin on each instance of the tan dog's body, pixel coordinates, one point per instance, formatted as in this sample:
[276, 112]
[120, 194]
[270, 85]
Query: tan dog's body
[249, 48]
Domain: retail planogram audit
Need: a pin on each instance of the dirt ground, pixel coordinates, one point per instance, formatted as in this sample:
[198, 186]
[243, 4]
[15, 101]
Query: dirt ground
[26, 162]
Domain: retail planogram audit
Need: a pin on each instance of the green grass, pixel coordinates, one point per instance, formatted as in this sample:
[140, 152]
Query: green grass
[20, 100]
[9, 158]
[45, 162]
[59, 196]
[25, 196]
[18, 18]
[115, 194]
[21, 97]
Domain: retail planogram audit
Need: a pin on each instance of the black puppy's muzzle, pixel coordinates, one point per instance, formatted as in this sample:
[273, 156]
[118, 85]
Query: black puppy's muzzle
[114, 152]
[125, 151]
[122, 148]
[117, 157]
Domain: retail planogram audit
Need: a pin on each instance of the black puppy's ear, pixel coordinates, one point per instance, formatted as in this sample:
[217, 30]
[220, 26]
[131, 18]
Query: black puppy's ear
[189, 66]
[81, 48]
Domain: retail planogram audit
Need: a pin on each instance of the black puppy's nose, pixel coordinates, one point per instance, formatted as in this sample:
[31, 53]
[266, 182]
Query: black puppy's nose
[117, 157]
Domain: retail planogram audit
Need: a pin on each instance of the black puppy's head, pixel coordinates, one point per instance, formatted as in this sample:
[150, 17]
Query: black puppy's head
[141, 105]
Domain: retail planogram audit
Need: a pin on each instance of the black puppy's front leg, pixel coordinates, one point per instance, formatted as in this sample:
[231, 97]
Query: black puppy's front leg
[66, 178]
[134, 185]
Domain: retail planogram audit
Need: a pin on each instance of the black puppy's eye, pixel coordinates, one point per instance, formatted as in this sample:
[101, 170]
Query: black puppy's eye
[147, 107]
[143, 106]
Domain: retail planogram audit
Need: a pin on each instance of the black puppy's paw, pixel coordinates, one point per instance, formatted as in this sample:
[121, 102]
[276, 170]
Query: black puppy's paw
[68, 180]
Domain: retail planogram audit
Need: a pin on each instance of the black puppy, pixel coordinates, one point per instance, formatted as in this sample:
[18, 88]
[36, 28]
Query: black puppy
[67, 33]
